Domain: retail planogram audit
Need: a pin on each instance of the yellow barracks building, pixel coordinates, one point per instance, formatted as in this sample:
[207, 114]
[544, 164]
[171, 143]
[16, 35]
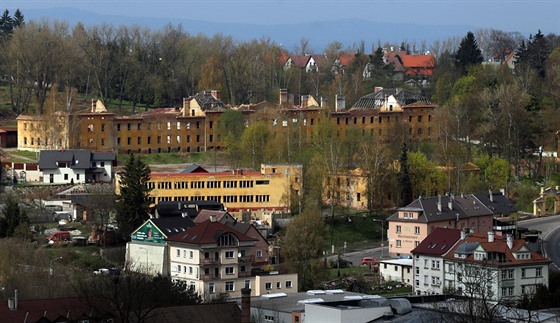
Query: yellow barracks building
[240, 191]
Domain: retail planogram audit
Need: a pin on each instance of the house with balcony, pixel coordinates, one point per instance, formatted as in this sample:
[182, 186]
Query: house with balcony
[214, 259]
[428, 266]
[494, 268]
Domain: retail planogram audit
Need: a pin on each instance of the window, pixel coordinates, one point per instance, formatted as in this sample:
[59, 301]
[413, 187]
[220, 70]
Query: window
[538, 272]
[398, 243]
[190, 270]
[425, 263]
[269, 318]
[229, 271]
[507, 291]
[523, 273]
[268, 286]
[417, 269]
[128, 126]
[65, 177]
[230, 286]
[419, 118]
[507, 274]
[288, 284]
[211, 288]
[178, 125]
[229, 254]
[184, 253]
[398, 229]
[102, 127]
[139, 126]
[178, 252]
[278, 285]
[169, 126]
[191, 254]
[259, 253]
[435, 264]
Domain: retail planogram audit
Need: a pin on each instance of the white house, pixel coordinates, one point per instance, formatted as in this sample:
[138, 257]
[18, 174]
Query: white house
[428, 260]
[494, 268]
[76, 165]
[397, 270]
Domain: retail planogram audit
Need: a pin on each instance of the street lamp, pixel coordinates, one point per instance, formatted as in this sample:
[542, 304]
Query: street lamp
[382, 241]
[50, 267]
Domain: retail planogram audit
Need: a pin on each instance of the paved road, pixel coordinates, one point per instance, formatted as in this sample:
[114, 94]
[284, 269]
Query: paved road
[356, 256]
[550, 228]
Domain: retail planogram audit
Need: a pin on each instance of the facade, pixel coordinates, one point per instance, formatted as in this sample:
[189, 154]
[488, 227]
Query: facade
[147, 250]
[214, 259]
[396, 270]
[193, 126]
[254, 192]
[428, 260]
[494, 268]
[548, 202]
[76, 165]
[412, 224]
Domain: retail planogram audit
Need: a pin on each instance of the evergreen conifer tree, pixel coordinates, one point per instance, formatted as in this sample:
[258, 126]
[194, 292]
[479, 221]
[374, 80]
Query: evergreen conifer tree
[405, 183]
[133, 198]
[468, 53]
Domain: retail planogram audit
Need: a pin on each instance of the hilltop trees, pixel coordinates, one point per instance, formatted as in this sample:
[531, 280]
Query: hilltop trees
[468, 53]
[132, 203]
[15, 221]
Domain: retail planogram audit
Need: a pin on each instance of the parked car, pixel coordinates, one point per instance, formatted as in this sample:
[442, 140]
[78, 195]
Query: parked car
[59, 236]
[369, 261]
[341, 263]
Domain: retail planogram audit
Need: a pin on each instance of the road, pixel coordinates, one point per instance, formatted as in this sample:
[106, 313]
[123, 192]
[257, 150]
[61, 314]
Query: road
[356, 256]
[550, 228]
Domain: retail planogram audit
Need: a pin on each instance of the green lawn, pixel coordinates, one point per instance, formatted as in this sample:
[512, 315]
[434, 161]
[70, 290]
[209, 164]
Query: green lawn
[168, 158]
[358, 234]
[22, 156]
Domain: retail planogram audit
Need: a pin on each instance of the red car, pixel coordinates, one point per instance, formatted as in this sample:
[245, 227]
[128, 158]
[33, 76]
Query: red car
[369, 261]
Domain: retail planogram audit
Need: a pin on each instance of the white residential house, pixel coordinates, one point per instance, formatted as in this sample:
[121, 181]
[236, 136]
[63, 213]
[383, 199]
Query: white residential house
[397, 270]
[428, 260]
[494, 268]
[76, 166]
[214, 260]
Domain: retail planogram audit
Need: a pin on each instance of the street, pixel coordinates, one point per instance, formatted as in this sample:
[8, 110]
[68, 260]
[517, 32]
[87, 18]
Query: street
[549, 226]
[356, 256]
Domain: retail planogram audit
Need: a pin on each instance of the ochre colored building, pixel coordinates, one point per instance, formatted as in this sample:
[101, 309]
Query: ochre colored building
[240, 191]
[385, 115]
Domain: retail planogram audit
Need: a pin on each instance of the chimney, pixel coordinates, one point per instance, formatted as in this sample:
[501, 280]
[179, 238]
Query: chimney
[490, 236]
[216, 94]
[503, 191]
[283, 96]
[340, 103]
[186, 107]
[15, 299]
[92, 105]
[439, 203]
[324, 101]
[212, 218]
[509, 241]
[304, 101]
[377, 88]
[463, 235]
[246, 305]
[450, 203]
[491, 196]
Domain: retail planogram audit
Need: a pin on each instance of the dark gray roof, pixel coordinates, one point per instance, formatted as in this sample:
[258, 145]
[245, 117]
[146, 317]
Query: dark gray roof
[467, 248]
[462, 206]
[171, 225]
[189, 208]
[194, 168]
[78, 158]
[499, 204]
[208, 313]
[376, 99]
[207, 101]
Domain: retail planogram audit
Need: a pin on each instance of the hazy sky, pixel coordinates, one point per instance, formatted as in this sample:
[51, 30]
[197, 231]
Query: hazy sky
[510, 15]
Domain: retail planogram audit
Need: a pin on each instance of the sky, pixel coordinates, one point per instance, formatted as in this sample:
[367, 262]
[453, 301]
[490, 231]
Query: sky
[525, 16]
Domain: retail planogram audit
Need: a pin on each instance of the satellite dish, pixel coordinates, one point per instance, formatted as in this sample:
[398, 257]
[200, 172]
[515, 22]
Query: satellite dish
[239, 255]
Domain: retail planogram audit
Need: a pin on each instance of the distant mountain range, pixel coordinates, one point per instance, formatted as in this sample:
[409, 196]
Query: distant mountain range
[318, 33]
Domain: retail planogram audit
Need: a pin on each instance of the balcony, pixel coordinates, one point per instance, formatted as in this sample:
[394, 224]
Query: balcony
[246, 259]
[209, 276]
[211, 261]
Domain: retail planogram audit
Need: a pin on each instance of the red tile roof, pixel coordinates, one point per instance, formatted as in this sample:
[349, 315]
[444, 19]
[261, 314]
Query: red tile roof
[499, 245]
[438, 242]
[207, 233]
[346, 59]
[299, 60]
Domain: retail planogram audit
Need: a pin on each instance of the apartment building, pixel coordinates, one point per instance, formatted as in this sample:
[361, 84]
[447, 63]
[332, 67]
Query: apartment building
[239, 191]
[412, 224]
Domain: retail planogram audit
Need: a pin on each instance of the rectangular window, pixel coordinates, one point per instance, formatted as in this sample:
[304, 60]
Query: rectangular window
[288, 284]
[229, 271]
[211, 288]
[128, 126]
[191, 254]
[417, 230]
[169, 126]
[229, 254]
[523, 273]
[178, 252]
[268, 286]
[278, 285]
[178, 125]
[398, 229]
[139, 126]
[398, 243]
[538, 272]
[230, 286]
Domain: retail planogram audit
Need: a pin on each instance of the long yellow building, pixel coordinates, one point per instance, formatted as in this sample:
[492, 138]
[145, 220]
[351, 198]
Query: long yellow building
[383, 115]
[255, 193]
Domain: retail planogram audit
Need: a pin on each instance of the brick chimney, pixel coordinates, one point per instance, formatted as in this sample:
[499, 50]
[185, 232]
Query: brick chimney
[340, 103]
[246, 305]
[283, 96]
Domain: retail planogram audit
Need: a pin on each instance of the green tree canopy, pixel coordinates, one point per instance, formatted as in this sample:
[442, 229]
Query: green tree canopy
[15, 219]
[133, 201]
[305, 258]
